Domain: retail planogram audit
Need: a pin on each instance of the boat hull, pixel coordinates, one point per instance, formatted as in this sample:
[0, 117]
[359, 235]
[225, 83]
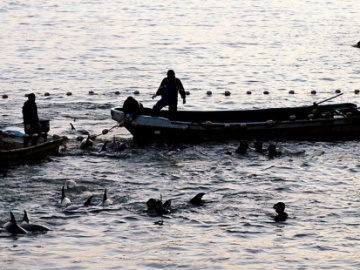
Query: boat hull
[13, 154]
[147, 128]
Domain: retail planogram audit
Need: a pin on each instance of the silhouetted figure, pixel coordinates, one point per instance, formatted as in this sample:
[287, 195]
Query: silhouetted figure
[280, 210]
[132, 107]
[30, 116]
[168, 90]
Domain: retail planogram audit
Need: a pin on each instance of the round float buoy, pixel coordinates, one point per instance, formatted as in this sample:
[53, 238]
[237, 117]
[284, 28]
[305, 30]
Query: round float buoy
[104, 131]
[310, 116]
[227, 126]
[91, 92]
[136, 92]
[242, 125]
[291, 92]
[68, 93]
[5, 96]
[92, 137]
[269, 122]
[349, 114]
[266, 92]
[117, 92]
[26, 95]
[357, 91]
[187, 93]
[292, 117]
[208, 123]
[79, 138]
[337, 91]
[227, 93]
[248, 92]
[157, 132]
[313, 92]
[209, 93]
[47, 94]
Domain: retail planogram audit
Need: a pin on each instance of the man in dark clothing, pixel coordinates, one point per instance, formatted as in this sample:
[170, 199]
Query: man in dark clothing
[168, 90]
[30, 116]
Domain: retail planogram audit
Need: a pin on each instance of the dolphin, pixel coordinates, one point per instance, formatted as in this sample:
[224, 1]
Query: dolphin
[12, 226]
[197, 200]
[32, 227]
[64, 200]
[106, 201]
[86, 143]
[88, 201]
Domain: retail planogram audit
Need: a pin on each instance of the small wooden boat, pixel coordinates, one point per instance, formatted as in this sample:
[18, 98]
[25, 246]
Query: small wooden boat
[306, 123]
[16, 149]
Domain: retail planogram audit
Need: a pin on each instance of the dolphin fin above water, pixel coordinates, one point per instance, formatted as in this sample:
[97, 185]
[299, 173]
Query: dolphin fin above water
[197, 199]
[64, 200]
[12, 226]
[32, 227]
[106, 201]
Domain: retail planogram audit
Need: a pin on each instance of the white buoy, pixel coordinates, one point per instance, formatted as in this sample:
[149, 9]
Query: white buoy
[292, 117]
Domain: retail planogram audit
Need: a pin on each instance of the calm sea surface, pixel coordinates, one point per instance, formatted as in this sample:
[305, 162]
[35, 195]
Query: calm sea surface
[103, 51]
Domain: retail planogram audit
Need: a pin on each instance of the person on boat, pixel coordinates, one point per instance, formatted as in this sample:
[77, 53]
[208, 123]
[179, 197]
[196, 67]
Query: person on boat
[30, 116]
[168, 90]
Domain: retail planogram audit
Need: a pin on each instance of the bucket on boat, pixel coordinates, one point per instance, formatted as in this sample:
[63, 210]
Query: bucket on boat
[44, 125]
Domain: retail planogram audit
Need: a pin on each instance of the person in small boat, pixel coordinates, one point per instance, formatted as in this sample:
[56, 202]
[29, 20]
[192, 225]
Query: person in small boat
[168, 90]
[30, 116]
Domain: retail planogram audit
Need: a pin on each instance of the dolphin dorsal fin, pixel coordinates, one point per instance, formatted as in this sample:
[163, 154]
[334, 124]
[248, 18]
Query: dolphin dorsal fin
[105, 195]
[26, 218]
[12, 218]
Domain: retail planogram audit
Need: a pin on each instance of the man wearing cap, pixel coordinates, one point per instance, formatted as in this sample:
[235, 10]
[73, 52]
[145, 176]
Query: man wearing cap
[30, 116]
[168, 90]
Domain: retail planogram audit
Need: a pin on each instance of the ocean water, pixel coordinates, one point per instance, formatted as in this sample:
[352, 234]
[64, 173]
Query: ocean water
[81, 58]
